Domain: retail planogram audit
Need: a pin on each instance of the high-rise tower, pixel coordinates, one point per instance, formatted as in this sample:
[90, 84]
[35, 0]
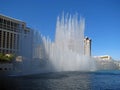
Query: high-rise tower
[87, 46]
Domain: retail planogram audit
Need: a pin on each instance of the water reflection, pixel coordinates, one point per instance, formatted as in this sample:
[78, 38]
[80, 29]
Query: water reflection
[50, 81]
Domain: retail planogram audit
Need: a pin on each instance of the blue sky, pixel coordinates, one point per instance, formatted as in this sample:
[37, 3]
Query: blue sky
[102, 19]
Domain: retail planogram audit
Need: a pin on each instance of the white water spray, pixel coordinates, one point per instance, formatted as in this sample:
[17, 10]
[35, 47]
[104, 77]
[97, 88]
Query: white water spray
[67, 52]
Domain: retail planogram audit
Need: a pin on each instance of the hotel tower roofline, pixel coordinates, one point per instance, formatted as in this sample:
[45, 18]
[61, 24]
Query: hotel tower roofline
[12, 19]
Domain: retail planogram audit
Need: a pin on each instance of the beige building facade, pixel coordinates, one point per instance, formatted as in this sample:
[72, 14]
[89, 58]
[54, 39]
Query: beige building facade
[10, 30]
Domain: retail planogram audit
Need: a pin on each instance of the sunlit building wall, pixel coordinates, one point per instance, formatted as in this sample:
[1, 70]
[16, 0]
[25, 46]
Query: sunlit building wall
[12, 32]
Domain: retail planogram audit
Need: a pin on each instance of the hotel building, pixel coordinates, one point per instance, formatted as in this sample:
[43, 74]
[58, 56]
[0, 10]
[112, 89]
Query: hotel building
[10, 32]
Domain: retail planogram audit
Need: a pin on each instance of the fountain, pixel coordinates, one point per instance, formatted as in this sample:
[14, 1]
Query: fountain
[66, 53]
[38, 54]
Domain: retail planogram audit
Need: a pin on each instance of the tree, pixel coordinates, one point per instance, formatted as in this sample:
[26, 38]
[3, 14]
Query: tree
[6, 58]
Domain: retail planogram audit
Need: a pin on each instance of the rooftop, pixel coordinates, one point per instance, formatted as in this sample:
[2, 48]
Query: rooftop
[13, 19]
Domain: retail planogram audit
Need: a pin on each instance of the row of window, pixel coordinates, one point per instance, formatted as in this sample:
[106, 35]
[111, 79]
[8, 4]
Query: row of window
[9, 25]
[8, 40]
[10, 28]
[7, 51]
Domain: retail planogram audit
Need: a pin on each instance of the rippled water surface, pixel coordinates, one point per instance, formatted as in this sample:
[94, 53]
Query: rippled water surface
[100, 80]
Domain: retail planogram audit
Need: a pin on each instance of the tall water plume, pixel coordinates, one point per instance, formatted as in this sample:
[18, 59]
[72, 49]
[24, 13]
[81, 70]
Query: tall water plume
[67, 52]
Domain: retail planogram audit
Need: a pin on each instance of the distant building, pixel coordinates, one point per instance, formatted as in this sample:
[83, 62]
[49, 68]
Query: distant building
[87, 46]
[104, 57]
[105, 62]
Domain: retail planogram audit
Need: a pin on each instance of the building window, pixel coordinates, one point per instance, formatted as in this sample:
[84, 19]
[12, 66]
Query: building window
[14, 41]
[11, 39]
[8, 23]
[4, 36]
[1, 21]
[17, 42]
[0, 69]
[7, 40]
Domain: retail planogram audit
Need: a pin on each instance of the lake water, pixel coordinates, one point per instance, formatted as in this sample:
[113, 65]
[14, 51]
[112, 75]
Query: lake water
[100, 80]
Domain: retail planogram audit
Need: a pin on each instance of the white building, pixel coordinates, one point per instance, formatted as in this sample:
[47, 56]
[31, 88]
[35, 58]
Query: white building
[105, 62]
[104, 57]
[87, 46]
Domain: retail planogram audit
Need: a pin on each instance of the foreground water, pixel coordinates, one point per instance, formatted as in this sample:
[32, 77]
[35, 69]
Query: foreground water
[100, 80]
